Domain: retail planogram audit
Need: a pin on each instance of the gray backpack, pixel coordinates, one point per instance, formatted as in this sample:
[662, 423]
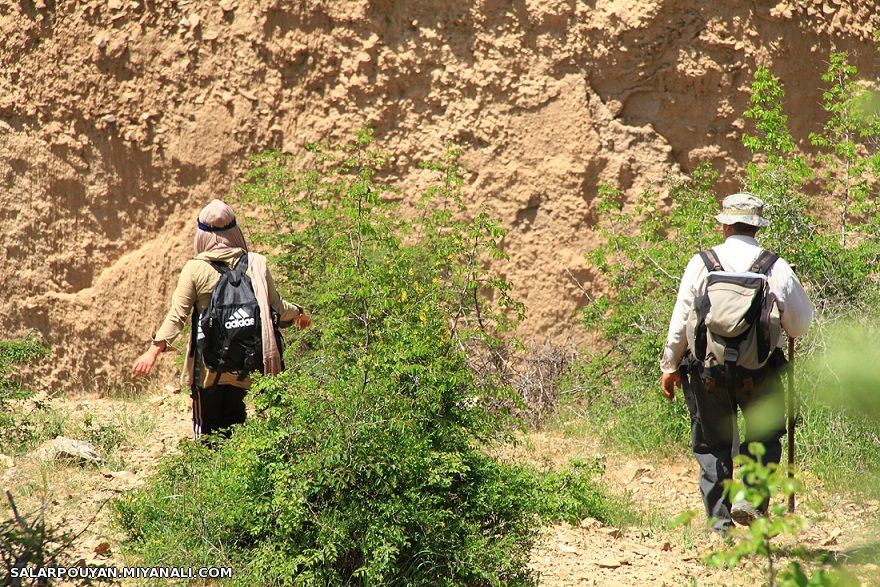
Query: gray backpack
[736, 321]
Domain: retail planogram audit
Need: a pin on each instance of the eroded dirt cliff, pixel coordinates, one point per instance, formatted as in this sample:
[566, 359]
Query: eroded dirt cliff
[119, 118]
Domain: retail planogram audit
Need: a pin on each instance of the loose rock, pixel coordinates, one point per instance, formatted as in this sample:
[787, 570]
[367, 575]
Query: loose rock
[612, 532]
[63, 448]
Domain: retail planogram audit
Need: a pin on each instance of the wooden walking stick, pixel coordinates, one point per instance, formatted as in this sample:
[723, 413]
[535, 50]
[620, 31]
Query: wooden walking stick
[792, 416]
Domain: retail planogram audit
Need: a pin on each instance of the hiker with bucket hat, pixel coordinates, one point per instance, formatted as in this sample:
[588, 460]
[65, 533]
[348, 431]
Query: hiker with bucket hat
[734, 302]
[221, 257]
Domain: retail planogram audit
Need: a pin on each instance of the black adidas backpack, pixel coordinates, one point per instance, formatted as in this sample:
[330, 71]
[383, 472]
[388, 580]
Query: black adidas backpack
[229, 330]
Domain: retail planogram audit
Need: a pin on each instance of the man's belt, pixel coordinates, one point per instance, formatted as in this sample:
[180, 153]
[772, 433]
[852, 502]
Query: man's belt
[712, 383]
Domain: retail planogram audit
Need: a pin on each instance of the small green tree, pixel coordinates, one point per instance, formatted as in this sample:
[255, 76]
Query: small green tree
[839, 276]
[757, 484]
[778, 172]
[845, 135]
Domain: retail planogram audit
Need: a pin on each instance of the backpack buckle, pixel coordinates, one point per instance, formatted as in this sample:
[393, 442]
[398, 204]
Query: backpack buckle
[731, 354]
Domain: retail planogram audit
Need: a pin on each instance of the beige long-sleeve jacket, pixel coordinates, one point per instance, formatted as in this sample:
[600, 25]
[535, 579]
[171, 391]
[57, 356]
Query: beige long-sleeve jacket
[194, 286]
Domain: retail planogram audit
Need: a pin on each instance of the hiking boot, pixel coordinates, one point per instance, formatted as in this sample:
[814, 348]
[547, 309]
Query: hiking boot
[744, 513]
[720, 532]
[721, 538]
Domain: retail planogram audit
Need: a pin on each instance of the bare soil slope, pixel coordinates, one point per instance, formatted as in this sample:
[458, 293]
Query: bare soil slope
[118, 118]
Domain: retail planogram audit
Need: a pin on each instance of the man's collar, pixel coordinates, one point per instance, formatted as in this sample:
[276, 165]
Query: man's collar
[749, 240]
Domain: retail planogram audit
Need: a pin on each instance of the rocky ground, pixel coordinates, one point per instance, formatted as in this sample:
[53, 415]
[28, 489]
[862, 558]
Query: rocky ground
[592, 554]
[589, 553]
[75, 493]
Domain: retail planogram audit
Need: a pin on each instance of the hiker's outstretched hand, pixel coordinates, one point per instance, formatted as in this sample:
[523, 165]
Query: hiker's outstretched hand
[668, 383]
[302, 321]
[144, 363]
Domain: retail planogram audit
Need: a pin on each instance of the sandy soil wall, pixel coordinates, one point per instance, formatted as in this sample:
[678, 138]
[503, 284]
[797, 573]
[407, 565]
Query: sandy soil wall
[118, 118]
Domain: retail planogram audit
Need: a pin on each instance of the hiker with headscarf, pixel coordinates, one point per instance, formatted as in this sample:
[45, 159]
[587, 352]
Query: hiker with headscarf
[218, 398]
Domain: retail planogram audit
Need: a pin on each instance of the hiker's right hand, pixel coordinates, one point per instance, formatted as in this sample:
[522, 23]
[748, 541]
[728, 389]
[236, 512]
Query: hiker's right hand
[302, 321]
[668, 383]
[144, 363]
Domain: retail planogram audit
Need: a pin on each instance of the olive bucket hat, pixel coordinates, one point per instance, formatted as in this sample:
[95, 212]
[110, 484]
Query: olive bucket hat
[744, 208]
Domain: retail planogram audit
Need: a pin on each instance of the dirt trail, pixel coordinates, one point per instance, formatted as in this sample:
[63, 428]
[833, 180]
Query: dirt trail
[593, 554]
[76, 497]
[588, 554]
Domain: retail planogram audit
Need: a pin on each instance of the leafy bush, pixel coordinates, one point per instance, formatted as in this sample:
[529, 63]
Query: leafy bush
[365, 464]
[571, 495]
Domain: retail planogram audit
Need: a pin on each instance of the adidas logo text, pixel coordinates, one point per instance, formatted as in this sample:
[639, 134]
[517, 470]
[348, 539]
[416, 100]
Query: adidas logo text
[239, 319]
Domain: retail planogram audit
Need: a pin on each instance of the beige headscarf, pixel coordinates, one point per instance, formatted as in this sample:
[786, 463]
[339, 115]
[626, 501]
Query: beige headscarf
[217, 229]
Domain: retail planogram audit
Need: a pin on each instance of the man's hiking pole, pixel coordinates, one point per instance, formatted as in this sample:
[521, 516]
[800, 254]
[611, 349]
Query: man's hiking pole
[791, 418]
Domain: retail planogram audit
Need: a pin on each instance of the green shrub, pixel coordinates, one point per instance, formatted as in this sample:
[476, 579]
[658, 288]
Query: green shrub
[365, 464]
[22, 351]
[573, 494]
[21, 429]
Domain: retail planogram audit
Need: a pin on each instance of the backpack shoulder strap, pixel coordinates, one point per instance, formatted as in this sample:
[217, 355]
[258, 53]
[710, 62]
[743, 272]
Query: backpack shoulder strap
[219, 266]
[194, 352]
[222, 268]
[242, 264]
[764, 262]
[713, 263]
